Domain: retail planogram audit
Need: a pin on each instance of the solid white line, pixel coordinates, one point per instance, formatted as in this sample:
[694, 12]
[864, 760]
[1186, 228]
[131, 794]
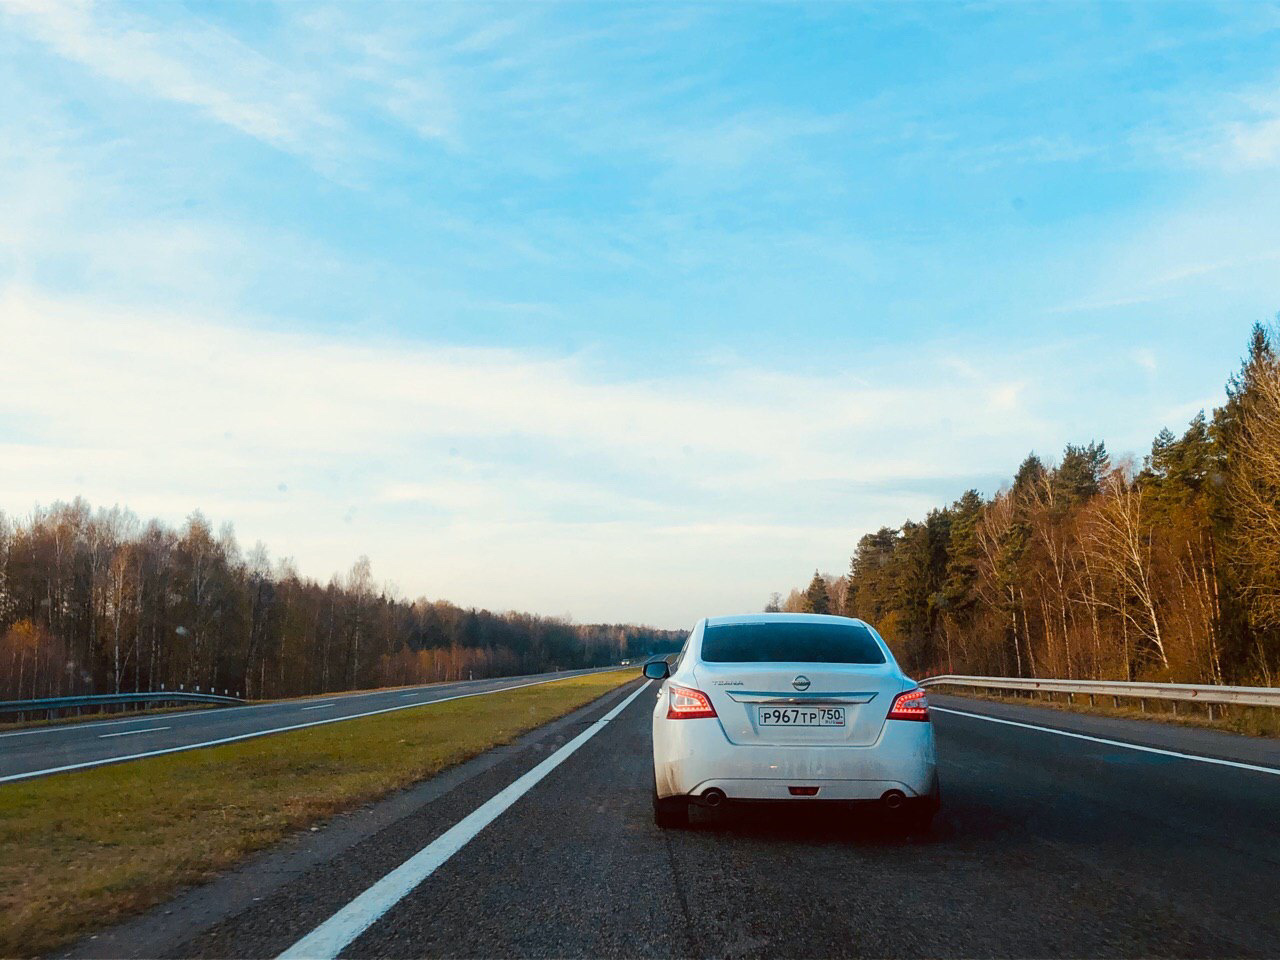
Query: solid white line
[327, 940]
[130, 733]
[262, 733]
[1113, 743]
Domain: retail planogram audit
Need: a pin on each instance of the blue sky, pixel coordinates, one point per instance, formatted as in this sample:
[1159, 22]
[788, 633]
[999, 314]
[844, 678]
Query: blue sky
[628, 312]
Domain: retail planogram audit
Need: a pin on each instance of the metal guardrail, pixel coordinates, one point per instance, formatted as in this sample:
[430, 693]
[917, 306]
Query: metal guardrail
[1205, 693]
[113, 699]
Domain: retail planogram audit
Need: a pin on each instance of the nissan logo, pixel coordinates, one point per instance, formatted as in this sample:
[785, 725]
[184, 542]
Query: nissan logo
[801, 682]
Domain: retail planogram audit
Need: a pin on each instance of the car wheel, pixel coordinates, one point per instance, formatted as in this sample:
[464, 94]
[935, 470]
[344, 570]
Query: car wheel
[670, 812]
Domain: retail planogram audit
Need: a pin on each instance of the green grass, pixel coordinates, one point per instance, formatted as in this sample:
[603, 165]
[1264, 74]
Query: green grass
[1251, 721]
[79, 851]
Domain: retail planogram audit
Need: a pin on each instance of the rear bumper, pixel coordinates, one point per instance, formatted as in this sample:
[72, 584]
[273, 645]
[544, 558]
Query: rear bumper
[828, 790]
[693, 756]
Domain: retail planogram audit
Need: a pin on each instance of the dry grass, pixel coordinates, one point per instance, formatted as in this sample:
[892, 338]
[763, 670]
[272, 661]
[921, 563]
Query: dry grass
[79, 851]
[1251, 721]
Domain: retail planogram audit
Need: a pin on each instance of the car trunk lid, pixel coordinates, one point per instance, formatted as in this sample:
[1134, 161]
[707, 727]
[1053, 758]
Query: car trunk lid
[831, 704]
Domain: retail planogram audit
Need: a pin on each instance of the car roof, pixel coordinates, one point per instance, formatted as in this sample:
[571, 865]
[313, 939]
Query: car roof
[782, 618]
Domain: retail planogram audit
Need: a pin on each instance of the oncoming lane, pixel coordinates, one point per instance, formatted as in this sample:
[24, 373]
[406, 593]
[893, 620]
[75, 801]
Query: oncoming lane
[66, 747]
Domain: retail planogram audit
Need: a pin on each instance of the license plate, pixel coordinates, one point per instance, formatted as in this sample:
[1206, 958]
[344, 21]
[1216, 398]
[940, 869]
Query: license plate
[800, 716]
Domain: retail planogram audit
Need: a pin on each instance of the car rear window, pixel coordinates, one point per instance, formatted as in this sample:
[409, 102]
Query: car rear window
[790, 643]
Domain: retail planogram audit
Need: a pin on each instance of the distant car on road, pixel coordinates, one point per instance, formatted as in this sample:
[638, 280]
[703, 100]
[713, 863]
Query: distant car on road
[792, 708]
[624, 663]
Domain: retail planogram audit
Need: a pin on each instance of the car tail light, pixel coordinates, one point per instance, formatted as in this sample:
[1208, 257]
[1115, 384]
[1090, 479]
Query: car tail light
[912, 705]
[685, 703]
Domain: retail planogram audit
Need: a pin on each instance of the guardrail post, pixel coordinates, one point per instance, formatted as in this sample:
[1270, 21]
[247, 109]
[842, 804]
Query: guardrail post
[1142, 703]
[1175, 707]
[1210, 706]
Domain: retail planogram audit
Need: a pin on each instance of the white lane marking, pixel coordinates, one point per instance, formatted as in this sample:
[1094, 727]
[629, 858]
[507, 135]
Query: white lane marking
[1113, 743]
[407, 695]
[262, 733]
[130, 733]
[327, 940]
[321, 706]
[100, 723]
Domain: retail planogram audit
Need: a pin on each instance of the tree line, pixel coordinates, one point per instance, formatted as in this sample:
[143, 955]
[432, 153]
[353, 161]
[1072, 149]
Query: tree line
[95, 601]
[1090, 568]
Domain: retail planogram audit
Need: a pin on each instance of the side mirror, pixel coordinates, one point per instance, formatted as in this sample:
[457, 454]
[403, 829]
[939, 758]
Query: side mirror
[657, 670]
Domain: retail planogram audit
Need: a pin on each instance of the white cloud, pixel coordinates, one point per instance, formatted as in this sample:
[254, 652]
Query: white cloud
[1146, 359]
[1217, 245]
[490, 476]
[1251, 139]
[197, 65]
[1236, 131]
[281, 100]
[530, 480]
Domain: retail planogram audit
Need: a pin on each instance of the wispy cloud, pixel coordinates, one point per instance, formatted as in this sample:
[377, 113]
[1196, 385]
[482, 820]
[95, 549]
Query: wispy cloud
[298, 436]
[279, 98]
[1255, 140]
[1146, 359]
[1229, 130]
[195, 65]
[767, 276]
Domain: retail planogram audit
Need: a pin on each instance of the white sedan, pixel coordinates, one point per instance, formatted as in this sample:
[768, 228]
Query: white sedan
[792, 708]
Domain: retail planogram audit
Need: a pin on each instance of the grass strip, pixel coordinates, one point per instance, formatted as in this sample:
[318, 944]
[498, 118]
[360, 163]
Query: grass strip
[80, 851]
[1229, 718]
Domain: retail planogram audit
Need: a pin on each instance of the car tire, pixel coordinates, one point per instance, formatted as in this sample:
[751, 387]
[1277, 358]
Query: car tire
[670, 813]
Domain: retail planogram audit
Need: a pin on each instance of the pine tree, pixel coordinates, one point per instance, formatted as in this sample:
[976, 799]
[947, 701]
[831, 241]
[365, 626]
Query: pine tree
[1246, 428]
[1079, 476]
[1030, 474]
[870, 593]
[959, 592]
[817, 600]
[1178, 468]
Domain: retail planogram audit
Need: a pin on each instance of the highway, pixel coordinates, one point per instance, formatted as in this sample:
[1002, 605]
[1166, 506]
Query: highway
[40, 751]
[1048, 845]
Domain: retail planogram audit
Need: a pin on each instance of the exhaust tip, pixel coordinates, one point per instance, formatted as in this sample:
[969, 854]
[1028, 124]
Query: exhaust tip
[894, 799]
[713, 797]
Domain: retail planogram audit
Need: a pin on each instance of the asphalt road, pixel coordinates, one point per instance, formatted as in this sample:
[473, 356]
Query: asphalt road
[1047, 846]
[40, 751]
